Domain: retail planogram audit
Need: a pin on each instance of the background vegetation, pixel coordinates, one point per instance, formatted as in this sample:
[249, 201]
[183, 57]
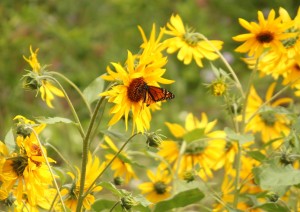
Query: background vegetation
[80, 38]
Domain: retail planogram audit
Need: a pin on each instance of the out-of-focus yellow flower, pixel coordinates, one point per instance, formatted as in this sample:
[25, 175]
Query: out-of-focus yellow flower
[271, 124]
[121, 166]
[159, 187]
[70, 195]
[32, 81]
[190, 45]
[204, 147]
[267, 33]
[140, 71]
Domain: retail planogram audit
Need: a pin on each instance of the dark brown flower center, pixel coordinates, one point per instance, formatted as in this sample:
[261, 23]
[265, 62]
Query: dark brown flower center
[36, 151]
[265, 37]
[136, 89]
[297, 67]
[19, 164]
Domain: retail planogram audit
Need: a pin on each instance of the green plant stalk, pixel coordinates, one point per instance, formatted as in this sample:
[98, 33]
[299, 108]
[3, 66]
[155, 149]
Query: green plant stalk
[238, 84]
[85, 150]
[76, 88]
[70, 104]
[49, 167]
[113, 207]
[110, 162]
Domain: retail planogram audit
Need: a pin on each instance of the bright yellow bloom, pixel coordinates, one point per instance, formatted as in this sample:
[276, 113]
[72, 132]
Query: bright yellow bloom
[120, 165]
[271, 124]
[190, 45]
[128, 94]
[267, 33]
[204, 147]
[158, 188]
[45, 87]
[93, 169]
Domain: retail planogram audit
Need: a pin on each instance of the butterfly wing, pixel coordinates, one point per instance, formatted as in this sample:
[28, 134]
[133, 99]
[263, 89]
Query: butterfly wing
[155, 94]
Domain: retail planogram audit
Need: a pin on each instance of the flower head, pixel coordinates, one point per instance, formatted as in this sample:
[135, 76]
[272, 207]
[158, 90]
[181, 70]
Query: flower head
[203, 146]
[33, 81]
[271, 124]
[267, 33]
[190, 45]
[158, 188]
[132, 83]
[94, 168]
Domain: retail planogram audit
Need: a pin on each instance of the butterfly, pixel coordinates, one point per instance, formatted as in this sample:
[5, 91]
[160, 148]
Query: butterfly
[154, 94]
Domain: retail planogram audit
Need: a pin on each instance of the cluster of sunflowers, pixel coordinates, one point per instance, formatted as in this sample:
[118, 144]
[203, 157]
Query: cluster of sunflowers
[255, 162]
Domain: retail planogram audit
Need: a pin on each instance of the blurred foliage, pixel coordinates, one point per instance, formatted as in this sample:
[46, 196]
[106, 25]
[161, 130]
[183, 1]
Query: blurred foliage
[80, 38]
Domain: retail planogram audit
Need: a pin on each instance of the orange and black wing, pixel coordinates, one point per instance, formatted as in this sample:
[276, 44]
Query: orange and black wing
[155, 94]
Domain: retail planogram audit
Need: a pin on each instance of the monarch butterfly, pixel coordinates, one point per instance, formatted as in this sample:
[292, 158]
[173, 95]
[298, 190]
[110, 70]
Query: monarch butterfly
[155, 94]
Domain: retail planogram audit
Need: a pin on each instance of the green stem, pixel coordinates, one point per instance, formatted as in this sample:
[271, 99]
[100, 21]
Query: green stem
[85, 151]
[115, 205]
[49, 167]
[106, 167]
[76, 88]
[69, 102]
[237, 81]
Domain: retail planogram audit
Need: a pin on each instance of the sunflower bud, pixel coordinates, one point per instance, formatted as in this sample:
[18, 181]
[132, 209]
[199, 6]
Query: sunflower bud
[127, 202]
[153, 139]
[31, 83]
[272, 196]
[189, 176]
[118, 180]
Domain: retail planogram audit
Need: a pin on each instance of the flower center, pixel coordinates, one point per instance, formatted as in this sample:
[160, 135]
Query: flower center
[160, 187]
[136, 89]
[265, 37]
[36, 151]
[19, 164]
[297, 67]
[268, 118]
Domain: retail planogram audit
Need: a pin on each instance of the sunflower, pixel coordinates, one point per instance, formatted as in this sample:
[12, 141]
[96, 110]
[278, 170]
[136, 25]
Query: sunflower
[128, 92]
[203, 146]
[190, 45]
[71, 192]
[121, 165]
[26, 171]
[271, 124]
[158, 188]
[267, 33]
[32, 81]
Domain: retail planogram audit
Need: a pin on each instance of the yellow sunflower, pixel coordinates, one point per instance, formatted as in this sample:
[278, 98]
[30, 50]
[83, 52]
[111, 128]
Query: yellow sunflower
[188, 43]
[271, 124]
[26, 171]
[158, 188]
[121, 166]
[47, 89]
[267, 33]
[70, 194]
[128, 94]
[203, 146]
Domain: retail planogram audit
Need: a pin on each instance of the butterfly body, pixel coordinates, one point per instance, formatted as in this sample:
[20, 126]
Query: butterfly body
[153, 94]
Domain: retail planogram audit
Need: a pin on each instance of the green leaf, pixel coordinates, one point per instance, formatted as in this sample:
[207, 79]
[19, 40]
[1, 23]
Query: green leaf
[272, 207]
[142, 200]
[105, 205]
[275, 178]
[9, 140]
[241, 138]
[53, 120]
[91, 93]
[111, 187]
[256, 155]
[181, 199]
[194, 135]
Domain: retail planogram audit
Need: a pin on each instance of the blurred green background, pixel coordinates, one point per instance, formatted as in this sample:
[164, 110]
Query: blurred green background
[80, 38]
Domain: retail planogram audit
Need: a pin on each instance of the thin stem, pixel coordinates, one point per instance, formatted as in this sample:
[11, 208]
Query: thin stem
[107, 166]
[61, 156]
[238, 84]
[76, 88]
[85, 151]
[69, 102]
[115, 205]
[49, 167]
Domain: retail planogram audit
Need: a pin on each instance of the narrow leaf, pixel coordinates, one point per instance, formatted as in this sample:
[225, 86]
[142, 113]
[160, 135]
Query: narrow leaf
[273, 207]
[181, 199]
[111, 187]
[53, 120]
[9, 140]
